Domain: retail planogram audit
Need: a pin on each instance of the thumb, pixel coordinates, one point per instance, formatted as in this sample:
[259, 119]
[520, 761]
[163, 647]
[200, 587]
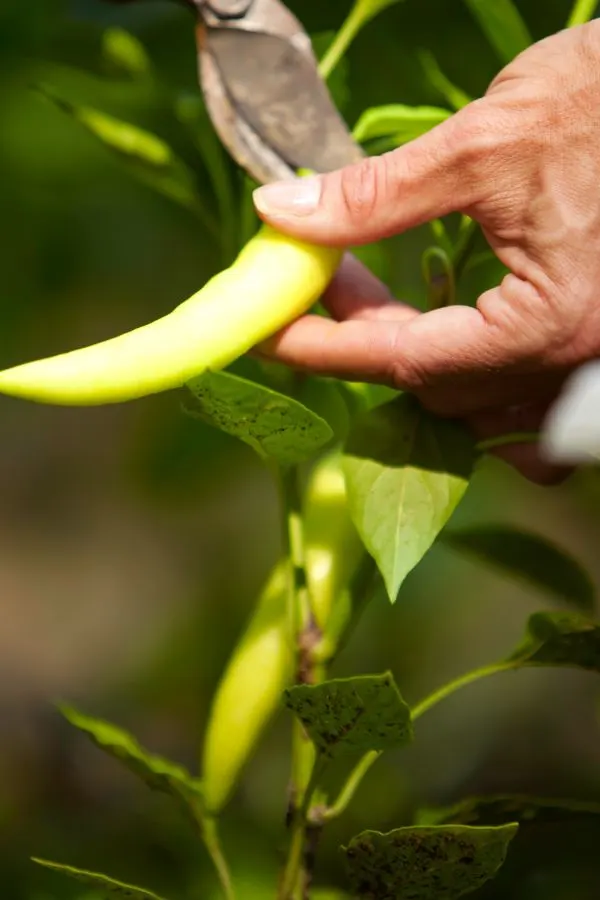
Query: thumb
[381, 195]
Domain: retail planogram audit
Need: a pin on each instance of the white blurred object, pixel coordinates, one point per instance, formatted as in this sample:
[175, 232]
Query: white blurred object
[571, 432]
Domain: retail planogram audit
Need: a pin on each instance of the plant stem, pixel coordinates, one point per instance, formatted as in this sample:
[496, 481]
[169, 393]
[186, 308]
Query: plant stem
[306, 638]
[464, 247]
[210, 836]
[293, 874]
[290, 881]
[354, 22]
[582, 12]
[458, 683]
[369, 759]
[352, 784]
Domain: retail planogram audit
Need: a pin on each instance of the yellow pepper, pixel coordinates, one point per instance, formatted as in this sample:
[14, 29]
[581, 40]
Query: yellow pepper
[262, 665]
[273, 281]
[333, 548]
[249, 692]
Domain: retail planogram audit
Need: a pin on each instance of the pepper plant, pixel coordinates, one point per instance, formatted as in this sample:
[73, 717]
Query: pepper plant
[368, 481]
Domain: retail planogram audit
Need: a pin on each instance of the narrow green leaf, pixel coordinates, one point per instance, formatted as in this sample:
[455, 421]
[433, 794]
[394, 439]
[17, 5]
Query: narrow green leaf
[422, 863]
[193, 115]
[404, 123]
[455, 96]
[529, 557]
[501, 22]
[352, 715]
[144, 155]
[158, 773]
[274, 425]
[559, 639]
[124, 54]
[582, 12]
[107, 887]
[406, 472]
[497, 810]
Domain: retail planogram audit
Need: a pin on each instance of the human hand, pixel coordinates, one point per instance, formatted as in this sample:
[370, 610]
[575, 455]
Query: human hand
[523, 161]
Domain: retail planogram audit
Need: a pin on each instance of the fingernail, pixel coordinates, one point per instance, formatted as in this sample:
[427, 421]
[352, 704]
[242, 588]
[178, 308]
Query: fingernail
[297, 197]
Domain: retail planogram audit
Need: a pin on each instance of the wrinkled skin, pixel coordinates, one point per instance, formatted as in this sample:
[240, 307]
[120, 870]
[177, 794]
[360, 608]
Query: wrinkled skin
[524, 162]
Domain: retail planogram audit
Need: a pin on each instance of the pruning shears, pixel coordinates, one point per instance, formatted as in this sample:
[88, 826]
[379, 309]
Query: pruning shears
[264, 93]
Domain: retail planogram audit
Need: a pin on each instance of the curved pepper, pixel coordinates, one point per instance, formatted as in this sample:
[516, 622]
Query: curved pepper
[262, 665]
[273, 281]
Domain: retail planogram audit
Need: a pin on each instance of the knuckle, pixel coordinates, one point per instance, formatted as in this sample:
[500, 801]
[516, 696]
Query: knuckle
[363, 188]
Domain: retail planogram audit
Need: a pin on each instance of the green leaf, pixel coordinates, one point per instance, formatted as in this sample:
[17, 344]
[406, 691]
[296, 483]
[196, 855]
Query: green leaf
[274, 425]
[403, 123]
[352, 715]
[455, 96]
[503, 26]
[106, 887]
[406, 471]
[497, 810]
[422, 863]
[125, 54]
[192, 114]
[582, 12]
[158, 773]
[144, 155]
[528, 557]
[559, 639]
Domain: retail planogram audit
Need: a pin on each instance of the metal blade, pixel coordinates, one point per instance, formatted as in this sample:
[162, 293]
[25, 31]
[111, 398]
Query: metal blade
[265, 95]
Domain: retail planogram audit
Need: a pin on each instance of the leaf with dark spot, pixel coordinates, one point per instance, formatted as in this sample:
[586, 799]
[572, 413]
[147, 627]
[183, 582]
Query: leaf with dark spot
[352, 715]
[274, 425]
[426, 863]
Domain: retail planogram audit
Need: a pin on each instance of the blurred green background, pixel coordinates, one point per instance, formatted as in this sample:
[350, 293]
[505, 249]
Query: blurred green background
[133, 541]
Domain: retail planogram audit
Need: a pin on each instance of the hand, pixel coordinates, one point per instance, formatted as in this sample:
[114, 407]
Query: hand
[524, 162]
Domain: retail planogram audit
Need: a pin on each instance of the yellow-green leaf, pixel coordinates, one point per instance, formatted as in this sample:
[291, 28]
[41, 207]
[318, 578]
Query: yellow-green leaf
[406, 471]
[158, 773]
[106, 887]
[402, 123]
[144, 156]
[125, 54]
[503, 25]
[455, 96]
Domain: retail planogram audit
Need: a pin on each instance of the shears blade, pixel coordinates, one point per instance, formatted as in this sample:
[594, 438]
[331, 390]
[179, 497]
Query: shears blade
[264, 93]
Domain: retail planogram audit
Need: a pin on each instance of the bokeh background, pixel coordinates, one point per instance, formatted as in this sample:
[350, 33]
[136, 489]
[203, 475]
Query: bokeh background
[133, 541]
